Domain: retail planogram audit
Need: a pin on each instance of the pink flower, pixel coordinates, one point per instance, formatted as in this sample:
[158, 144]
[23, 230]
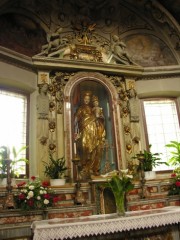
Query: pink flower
[178, 184]
[173, 175]
[33, 178]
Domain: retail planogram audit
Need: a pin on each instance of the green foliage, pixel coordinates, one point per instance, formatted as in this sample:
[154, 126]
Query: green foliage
[3, 166]
[119, 185]
[55, 168]
[16, 159]
[14, 169]
[150, 161]
[119, 182]
[175, 153]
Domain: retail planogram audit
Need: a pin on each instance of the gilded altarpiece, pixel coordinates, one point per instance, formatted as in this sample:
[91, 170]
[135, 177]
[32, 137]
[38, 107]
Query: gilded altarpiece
[119, 104]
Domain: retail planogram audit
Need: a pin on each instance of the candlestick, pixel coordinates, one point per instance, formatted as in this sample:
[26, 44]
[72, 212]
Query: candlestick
[9, 200]
[79, 197]
[143, 180]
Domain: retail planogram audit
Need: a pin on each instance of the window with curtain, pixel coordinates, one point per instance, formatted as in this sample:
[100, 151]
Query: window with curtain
[13, 124]
[161, 126]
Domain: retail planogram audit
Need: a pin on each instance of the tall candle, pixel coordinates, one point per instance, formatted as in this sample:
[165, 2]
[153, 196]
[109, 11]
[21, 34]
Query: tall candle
[75, 148]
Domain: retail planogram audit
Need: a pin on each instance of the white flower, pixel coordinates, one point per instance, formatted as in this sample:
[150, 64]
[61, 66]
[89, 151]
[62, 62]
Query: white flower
[30, 194]
[46, 201]
[129, 176]
[41, 192]
[31, 187]
[38, 197]
[124, 171]
[44, 192]
[24, 190]
[110, 174]
[41, 187]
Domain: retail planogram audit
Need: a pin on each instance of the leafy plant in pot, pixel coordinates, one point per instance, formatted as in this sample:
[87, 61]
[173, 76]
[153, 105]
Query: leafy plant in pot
[174, 147]
[174, 160]
[150, 160]
[15, 167]
[55, 170]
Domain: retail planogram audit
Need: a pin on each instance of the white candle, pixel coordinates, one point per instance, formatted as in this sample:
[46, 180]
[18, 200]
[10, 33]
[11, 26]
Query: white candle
[75, 148]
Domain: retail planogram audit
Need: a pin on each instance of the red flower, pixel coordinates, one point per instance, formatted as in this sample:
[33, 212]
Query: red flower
[173, 175]
[33, 178]
[47, 196]
[22, 196]
[21, 184]
[178, 184]
[45, 183]
[30, 202]
[55, 199]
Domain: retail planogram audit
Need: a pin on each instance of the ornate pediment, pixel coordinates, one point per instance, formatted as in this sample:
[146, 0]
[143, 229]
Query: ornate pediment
[83, 43]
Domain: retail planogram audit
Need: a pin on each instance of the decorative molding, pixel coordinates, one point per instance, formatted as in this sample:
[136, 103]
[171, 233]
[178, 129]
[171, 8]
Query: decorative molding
[71, 65]
[161, 16]
[160, 72]
[16, 59]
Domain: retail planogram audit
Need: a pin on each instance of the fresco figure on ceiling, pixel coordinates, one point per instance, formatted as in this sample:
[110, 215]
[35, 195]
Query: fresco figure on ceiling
[90, 132]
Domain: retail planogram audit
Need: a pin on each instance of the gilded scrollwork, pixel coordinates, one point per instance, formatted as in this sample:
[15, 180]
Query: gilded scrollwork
[52, 147]
[52, 126]
[56, 88]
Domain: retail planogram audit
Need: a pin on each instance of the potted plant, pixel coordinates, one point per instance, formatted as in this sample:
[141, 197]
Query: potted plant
[148, 162]
[175, 153]
[15, 169]
[55, 170]
[174, 160]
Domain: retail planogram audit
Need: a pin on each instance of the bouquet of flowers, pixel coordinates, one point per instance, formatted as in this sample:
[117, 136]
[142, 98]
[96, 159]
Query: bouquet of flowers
[34, 195]
[120, 182]
[175, 187]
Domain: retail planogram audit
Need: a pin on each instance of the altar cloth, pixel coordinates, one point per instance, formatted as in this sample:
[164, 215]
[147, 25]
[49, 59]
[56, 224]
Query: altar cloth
[63, 228]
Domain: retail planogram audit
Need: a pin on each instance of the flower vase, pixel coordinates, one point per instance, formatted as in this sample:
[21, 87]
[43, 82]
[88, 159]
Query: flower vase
[120, 204]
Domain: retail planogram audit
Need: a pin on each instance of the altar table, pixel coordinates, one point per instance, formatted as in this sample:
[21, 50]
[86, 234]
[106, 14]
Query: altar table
[63, 228]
